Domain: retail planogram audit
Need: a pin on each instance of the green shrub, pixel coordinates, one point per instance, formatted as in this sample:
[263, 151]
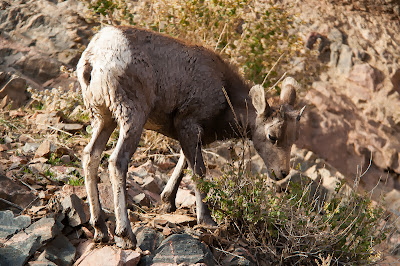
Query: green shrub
[295, 226]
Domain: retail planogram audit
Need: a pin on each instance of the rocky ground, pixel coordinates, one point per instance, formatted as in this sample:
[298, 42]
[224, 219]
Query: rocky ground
[352, 119]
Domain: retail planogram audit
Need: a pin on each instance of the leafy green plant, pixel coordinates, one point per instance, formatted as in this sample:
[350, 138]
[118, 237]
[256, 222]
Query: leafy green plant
[295, 226]
[76, 179]
[48, 173]
[54, 159]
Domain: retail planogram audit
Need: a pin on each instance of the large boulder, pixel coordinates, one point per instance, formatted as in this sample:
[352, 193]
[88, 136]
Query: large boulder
[183, 248]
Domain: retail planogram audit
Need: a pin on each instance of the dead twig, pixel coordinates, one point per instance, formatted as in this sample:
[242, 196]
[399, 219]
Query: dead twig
[230, 253]
[12, 204]
[57, 129]
[272, 68]
[276, 83]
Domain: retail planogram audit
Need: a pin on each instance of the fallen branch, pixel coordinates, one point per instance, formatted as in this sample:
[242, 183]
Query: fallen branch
[12, 204]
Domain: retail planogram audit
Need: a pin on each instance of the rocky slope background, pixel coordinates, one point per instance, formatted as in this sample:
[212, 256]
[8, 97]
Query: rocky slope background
[351, 131]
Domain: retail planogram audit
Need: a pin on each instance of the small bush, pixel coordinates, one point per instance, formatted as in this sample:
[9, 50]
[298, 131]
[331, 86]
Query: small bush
[295, 226]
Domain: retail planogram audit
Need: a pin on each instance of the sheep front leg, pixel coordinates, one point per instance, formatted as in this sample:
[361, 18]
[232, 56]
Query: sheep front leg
[190, 140]
[90, 161]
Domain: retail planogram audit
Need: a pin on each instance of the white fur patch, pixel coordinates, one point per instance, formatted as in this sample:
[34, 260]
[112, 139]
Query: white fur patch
[109, 55]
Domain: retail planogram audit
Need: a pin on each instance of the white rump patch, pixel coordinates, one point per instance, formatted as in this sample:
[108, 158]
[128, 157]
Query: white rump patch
[110, 51]
[109, 55]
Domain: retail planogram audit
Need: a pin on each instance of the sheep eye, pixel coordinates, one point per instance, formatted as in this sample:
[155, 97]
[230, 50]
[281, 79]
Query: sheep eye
[273, 139]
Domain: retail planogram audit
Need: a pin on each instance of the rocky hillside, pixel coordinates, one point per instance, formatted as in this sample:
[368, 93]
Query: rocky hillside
[350, 130]
[354, 104]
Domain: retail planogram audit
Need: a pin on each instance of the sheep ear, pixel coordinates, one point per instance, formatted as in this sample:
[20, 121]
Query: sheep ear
[288, 93]
[257, 96]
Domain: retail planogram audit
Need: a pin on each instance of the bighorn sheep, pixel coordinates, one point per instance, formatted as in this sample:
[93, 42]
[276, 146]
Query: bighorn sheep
[139, 79]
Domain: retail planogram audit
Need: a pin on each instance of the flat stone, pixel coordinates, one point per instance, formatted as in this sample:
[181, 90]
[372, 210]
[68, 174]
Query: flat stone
[179, 219]
[183, 248]
[72, 127]
[84, 248]
[150, 184]
[17, 250]
[73, 207]
[9, 224]
[41, 262]
[26, 138]
[45, 149]
[59, 250]
[142, 200]
[147, 238]
[107, 256]
[185, 198]
[15, 193]
[45, 228]
[30, 147]
[47, 119]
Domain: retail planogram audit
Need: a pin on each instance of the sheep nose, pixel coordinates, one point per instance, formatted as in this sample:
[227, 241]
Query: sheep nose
[284, 174]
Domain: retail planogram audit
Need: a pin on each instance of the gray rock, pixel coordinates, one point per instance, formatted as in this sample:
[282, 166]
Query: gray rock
[10, 225]
[14, 90]
[142, 200]
[50, 31]
[73, 207]
[345, 59]
[150, 184]
[17, 250]
[30, 147]
[45, 149]
[241, 257]
[140, 172]
[72, 127]
[148, 239]
[45, 228]
[65, 159]
[48, 119]
[183, 248]
[59, 251]
[108, 255]
[42, 262]
[335, 36]
[334, 57]
[15, 193]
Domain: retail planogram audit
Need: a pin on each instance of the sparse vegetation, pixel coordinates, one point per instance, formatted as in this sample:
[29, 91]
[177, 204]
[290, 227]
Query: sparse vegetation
[282, 227]
[252, 35]
[76, 179]
[298, 225]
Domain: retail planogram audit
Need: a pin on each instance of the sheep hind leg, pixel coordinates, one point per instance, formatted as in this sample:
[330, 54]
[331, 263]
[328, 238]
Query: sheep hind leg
[168, 195]
[128, 141]
[102, 130]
